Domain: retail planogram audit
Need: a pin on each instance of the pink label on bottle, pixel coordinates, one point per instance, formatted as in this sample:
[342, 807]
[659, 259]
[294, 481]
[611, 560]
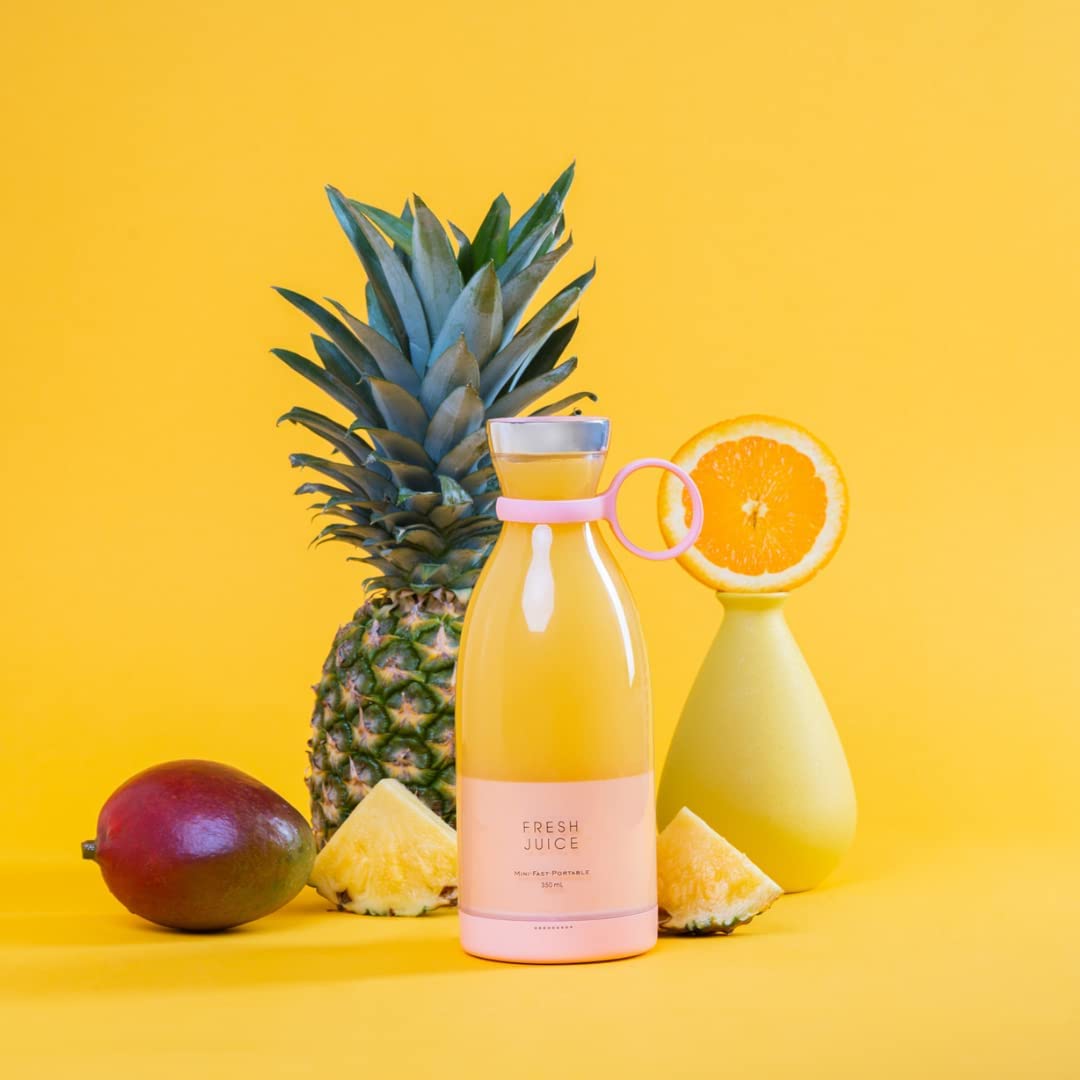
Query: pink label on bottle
[575, 849]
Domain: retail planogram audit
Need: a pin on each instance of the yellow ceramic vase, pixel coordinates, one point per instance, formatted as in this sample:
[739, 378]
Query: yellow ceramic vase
[756, 753]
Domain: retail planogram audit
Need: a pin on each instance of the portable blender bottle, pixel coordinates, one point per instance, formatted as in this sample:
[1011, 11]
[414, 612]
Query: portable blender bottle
[556, 823]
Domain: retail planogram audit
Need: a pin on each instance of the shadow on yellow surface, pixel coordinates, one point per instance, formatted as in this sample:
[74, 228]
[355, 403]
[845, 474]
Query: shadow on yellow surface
[952, 965]
[87, 945]
[221, 967]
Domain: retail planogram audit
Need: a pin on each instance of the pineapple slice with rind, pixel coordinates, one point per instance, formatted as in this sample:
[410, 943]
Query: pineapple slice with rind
[393, 856]
[705, 885]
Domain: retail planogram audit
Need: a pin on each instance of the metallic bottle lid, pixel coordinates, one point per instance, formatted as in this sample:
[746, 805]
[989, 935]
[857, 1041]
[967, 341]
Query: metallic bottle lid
[549, 435]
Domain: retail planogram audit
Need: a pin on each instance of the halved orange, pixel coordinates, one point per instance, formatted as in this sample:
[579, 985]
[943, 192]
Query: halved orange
[775, 505]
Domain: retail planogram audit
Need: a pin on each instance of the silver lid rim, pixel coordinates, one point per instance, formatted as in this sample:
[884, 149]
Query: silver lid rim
[549, 434]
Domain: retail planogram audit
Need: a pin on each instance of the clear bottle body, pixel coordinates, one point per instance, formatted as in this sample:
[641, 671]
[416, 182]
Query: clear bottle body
[556, 821]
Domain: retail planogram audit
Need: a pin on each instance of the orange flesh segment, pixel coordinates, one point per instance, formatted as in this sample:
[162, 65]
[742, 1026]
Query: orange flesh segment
[764, 505]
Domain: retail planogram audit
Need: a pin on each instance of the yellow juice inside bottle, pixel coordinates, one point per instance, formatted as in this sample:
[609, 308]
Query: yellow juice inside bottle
[549, 707]
[554, 743]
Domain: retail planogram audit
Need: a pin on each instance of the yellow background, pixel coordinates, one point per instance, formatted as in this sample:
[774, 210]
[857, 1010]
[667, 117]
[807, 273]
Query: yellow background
[862, 216]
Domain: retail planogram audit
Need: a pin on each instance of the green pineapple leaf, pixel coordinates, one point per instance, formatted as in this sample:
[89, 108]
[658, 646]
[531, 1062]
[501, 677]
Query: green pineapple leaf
[343, 511]
[580, 283]
[391, 444]
[522, 348]
[339, 365]
[349, 475]
[350, 444]
[547, 207]
[376, 317]
[421, 537]
[406, 475]
[363, 480]
[555, 237]
[523, 222]
[490, 244]
[337, 331]
[435, 271]
[390, 360]
[453, 494]
[353, 533]
[390, 572]
[455, 367]
[477, 313]
[398, 230]
[401, 412]
[459, 415]
[324, 489]
[394, 519]
[551, 351]
[481, 482]
[519, 290]
[432, 574]
[465, 456]
[386, 272]
[407, 221]
[402, 558]
[449, 514]
[526, 251]
[464, 254]
[320, 377]
[557, 406]
[419, 501]
[528, 392]
[351, 498]
[545, 360]
[474, 529]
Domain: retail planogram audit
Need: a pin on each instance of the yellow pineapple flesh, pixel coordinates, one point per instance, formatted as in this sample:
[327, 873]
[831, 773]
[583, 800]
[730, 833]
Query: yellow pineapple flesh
[705, 885]
[392, 856]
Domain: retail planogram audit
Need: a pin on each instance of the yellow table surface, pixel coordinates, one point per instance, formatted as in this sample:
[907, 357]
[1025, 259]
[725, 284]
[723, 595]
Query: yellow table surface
[947, 964]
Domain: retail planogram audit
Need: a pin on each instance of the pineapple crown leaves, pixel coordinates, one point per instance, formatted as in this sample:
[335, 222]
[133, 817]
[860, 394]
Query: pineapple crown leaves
[445, 347]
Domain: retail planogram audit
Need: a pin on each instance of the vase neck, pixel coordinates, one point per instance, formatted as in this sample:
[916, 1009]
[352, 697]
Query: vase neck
[751, 603]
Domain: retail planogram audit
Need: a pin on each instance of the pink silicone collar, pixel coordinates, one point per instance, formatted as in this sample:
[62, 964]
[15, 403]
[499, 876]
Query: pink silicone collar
[603, 507]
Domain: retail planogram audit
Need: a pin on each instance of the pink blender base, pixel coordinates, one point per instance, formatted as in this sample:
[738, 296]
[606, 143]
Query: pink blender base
[558, 941]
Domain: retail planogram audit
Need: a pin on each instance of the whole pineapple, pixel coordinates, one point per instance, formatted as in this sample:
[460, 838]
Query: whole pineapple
[410, 480]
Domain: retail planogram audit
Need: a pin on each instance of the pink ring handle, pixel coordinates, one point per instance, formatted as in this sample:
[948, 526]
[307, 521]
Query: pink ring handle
[697, 518]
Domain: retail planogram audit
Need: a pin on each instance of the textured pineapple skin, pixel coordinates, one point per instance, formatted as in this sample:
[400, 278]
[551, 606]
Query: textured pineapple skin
[384, 707]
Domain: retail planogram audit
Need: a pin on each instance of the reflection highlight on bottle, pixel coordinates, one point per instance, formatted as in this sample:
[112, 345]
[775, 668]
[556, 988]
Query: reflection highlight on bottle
[538, 595]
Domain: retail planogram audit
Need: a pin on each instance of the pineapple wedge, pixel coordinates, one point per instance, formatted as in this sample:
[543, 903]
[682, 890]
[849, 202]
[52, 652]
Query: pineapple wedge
[393, 856]
[705, 885]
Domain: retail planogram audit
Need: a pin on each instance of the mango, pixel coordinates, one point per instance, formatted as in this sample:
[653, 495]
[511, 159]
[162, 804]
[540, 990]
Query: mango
[196, 845]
